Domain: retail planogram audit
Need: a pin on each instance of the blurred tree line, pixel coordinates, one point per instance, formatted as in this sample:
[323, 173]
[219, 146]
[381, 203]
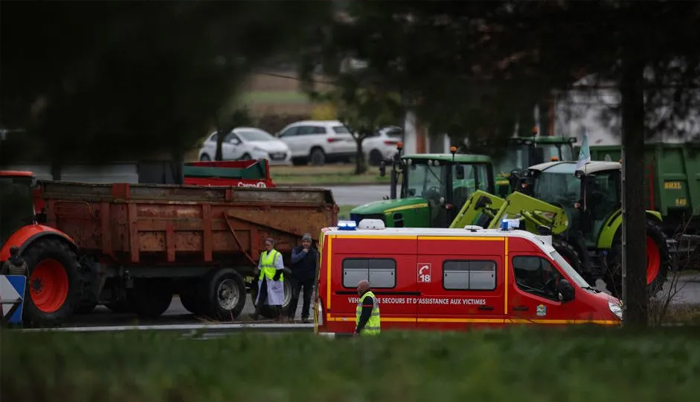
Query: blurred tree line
[106, 81]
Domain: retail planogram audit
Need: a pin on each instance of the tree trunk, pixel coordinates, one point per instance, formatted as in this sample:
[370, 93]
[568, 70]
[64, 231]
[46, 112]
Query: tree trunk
[633, 215]
[360, 163]
[219, 148]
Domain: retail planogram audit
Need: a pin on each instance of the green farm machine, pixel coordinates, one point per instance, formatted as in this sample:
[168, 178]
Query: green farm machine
[427, 190]
[582, 210]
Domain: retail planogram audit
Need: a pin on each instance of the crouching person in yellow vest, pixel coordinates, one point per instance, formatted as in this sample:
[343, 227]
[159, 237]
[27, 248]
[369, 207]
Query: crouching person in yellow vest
[367, 321]
[270, 281]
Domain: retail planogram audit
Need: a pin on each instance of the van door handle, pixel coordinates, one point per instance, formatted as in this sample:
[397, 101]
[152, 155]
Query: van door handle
[485, 307]
[520, 308]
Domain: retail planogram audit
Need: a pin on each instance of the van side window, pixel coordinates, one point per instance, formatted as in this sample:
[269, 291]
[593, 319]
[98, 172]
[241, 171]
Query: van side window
[380, 272]
[469, 275]
[536, 275]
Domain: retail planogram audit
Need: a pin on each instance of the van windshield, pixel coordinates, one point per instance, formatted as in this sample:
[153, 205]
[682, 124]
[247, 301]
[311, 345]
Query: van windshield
[570, 271]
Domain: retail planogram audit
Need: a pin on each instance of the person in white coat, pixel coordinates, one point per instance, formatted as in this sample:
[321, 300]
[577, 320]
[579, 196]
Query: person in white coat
[270, 281]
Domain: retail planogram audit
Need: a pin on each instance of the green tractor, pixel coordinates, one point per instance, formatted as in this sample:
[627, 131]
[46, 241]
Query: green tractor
[433, 188]
[582, 210]
[529, 151]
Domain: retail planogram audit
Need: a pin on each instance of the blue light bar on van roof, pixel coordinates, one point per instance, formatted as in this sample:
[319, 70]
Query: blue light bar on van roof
[347, 225]
[508, 224]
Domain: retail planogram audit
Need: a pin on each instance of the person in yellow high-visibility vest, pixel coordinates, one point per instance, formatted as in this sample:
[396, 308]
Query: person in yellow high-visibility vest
[270, 280]
[367, 320]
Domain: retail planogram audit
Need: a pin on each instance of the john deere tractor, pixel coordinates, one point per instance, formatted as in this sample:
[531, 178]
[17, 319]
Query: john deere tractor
[582, 210]
[427, 190]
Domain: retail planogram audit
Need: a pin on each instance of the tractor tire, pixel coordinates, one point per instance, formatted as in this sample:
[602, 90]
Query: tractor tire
[54, 283]
[573, 257]
[151, 297]
[658, 261]
[221, 295]
[86, 307]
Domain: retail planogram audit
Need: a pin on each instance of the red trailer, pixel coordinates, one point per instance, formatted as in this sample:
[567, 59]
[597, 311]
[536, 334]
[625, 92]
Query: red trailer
[132, 246]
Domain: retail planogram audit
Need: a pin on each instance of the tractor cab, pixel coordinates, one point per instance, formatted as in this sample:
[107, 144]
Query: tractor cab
[16, 202]
[590, 196]
[428, 190]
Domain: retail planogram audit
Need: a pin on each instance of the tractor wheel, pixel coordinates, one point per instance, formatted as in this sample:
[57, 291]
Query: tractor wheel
[54, 282]
[121, 307]
[151, 297]
[658, 261]
[221, 294]
[569, 253]
[86, 307]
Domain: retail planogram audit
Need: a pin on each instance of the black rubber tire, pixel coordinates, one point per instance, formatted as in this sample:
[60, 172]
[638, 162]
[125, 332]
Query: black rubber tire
[208, 295]
[317, 157]
[375, 158]
[205, 158]
[190, 299]
[51, 248]
[151, 297]
[246, 157]
[613, 278]
[573, 257]
[85, 307]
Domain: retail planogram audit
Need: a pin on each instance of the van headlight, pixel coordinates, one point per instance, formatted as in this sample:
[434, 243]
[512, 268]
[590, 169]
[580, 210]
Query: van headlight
[616, 309]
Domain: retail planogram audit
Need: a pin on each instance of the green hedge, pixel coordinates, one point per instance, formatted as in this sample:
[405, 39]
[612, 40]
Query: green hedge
[515, 365]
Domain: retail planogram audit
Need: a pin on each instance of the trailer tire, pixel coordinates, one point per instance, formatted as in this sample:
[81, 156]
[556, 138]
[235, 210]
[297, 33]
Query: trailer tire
[151, 297]
[222, 294]
[658, 261]
[53, 282]
[190, 299]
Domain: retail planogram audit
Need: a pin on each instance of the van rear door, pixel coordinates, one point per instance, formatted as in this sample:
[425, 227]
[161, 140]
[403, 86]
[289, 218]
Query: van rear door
[461, 283]
[389, 264]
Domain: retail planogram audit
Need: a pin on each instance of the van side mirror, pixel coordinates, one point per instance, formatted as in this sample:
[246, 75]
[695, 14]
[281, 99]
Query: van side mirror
[565, 291]
[382, 168]
[459, 170]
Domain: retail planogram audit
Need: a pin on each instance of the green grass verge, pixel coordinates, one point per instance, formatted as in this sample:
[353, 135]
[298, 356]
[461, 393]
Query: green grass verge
[344, 212]
[516, 365]
[330, 174]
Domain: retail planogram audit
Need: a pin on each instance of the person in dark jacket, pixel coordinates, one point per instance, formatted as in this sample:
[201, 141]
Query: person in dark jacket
[304, 264]
[15, 265]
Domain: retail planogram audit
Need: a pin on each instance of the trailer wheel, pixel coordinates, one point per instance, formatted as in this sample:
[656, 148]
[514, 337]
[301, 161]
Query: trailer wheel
[658, 261]
[120, 307]
[54, 283]
[151, 297]
[189, 299]
[222, 294]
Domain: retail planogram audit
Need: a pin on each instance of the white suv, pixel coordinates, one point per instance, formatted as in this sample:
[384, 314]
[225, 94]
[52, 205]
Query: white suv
[318, 141]
[382, 144]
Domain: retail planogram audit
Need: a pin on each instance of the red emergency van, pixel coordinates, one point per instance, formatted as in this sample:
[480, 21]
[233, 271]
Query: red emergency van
[452, 279]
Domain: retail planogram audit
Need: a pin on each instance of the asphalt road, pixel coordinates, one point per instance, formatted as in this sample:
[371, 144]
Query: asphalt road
[358, 195]
[688, 292]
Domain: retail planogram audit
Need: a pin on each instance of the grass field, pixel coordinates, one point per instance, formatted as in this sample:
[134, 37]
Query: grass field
[344, 212]
[329, 174]
[521, 364]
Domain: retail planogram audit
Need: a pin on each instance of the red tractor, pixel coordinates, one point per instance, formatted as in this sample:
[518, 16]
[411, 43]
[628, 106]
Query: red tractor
[54, 278]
